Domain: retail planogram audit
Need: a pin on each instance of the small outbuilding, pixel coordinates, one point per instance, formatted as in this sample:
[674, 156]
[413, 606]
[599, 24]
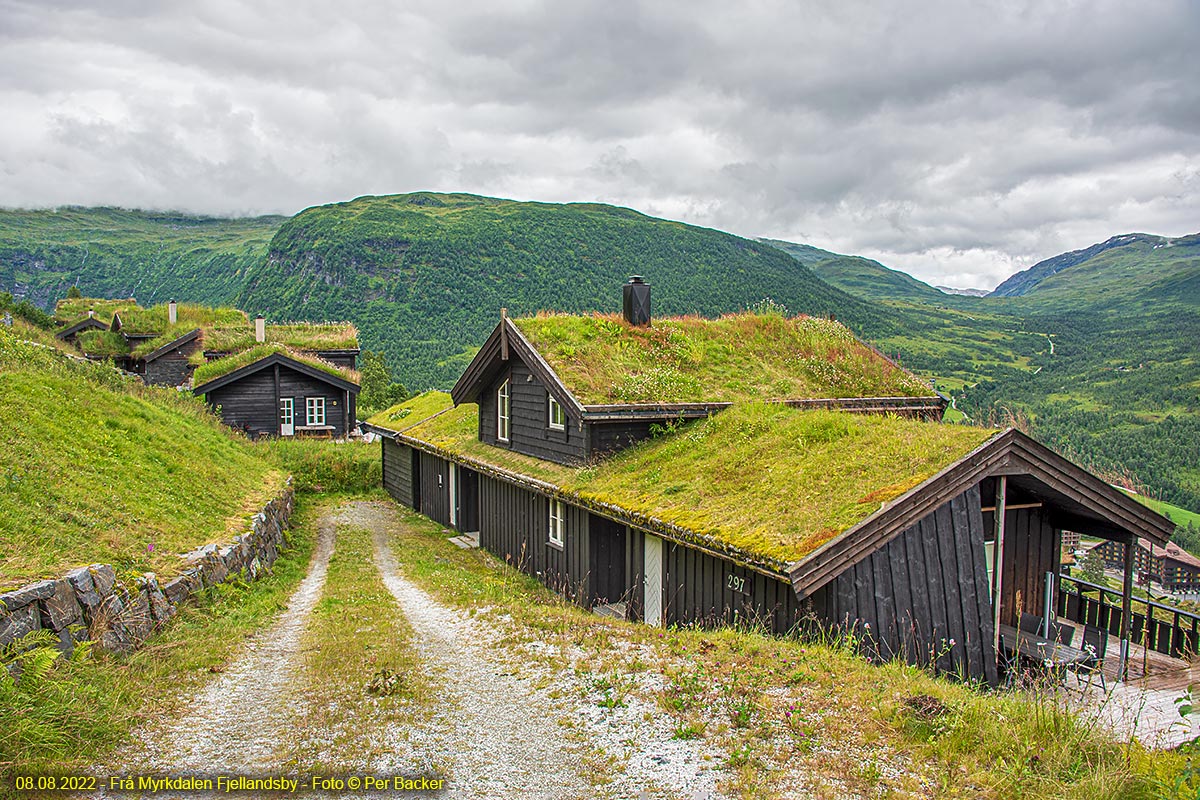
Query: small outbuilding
[272, 391]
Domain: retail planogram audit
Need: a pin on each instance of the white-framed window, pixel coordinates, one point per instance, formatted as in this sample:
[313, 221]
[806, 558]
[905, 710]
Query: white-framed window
[556, 415]
[503, 412]
[314, 411]
[558, 522]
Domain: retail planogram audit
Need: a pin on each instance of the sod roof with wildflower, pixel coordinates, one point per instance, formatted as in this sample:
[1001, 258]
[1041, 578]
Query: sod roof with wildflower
[602, 359]
[768, 480]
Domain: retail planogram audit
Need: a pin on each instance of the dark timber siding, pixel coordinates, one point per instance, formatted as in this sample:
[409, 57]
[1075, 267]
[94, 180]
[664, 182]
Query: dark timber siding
[169, 369]
[250, 403]
[927, 587]
[701, 589]
[1031, 549]
[609, 437]
[514, 525]
[397, 472]
[530, 431]
[172, 368]
[435, 488]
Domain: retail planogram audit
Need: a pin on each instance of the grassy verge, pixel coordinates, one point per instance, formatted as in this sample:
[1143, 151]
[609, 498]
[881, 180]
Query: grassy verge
[792, 716]
[321, 466]
[358, 665]
[101, 469]
[80, 711]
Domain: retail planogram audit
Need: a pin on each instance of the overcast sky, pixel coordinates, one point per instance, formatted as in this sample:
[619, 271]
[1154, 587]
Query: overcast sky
[958, 141]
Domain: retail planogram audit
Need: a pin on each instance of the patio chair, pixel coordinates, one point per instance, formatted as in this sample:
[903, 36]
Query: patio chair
[1010, 659]
[1063, 633]
[1095, 645]
[1030, 623]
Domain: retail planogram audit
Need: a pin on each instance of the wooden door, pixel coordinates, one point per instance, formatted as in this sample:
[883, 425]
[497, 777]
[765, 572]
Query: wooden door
[607, 555]
[287, 416]
[468, 500]
[653, 581]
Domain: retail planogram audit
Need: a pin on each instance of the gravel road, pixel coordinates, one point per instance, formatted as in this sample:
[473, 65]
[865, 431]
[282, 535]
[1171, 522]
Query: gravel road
[504, 725]
[234, 724]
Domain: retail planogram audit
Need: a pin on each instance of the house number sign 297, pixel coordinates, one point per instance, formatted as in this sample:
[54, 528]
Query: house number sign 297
[736, 583]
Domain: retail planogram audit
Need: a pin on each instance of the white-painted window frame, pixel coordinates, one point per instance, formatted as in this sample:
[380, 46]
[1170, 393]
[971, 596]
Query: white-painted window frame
[314, 411]
[558, 523]
[504, 412]
[555, 410]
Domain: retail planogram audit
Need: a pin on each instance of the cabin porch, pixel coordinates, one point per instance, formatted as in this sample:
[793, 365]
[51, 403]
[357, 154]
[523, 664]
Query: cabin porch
[1071, 619]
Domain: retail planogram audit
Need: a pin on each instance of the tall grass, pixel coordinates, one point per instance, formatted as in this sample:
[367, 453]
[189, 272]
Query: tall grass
[323, 466]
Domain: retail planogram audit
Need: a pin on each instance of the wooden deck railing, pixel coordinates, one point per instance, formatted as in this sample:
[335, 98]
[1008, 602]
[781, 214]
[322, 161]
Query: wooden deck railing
[1164, 629]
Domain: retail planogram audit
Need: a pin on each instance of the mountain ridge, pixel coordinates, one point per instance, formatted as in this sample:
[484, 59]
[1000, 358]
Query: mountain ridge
[1099, 358]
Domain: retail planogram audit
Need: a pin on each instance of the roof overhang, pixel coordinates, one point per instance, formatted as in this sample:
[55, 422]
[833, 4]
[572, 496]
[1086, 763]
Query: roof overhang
[272, 360]
[770, 567]
[172, 345]
[84, 324]
[1073, 498]
[492, 359]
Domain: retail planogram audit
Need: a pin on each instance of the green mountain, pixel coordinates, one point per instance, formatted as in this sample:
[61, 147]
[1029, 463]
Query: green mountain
[424, 275]
[1097, 351]
[1097, 354]
[112, 252]
[806, 254]
[1134, 263]
[867, 278]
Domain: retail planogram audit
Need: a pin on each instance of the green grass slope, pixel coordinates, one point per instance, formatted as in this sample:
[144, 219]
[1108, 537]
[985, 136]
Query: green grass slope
[424, 275]
[97, 468]
[110, 252]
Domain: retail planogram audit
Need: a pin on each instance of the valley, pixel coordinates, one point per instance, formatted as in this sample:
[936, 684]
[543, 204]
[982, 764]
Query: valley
[1094, 351]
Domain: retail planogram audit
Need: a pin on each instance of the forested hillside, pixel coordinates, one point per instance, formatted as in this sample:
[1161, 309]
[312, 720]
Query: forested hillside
[1099, 354]
[424, 275]
[110, 252]
[1098, 351]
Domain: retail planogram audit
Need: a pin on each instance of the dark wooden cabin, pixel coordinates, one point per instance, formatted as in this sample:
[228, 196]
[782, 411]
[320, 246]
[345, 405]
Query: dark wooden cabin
[157, 343]
[168, 364]
[526, 405]
[899, 547]
[281, 396]
[71, 333]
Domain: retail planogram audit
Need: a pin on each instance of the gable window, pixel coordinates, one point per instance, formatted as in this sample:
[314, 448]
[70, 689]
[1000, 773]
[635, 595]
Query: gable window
[556, 415]
[314, 411]
[503, 412]
[558, 522]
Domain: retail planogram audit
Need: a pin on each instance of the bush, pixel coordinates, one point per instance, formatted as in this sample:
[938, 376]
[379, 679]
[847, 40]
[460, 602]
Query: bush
[323, 466]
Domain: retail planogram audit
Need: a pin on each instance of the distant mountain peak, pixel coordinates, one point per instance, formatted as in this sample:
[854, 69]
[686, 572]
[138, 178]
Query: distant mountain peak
[1025, 280]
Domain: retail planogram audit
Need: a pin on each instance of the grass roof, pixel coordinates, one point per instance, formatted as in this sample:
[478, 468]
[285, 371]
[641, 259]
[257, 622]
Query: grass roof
[104, 344]
[769, 480]
[415, 409]
[138, 320]
[297, 335]
[70, 310]
[739, 357]
[223, 366]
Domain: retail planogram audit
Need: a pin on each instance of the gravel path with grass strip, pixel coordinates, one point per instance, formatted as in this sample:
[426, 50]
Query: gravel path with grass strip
[503, 743]
[236, 722]
[510, 739]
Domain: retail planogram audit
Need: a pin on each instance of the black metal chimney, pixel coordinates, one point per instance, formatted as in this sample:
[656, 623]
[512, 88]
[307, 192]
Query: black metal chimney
[635, 297]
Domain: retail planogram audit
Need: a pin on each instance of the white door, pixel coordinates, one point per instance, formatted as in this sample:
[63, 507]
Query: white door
[653, 581]
[287, 416]
[453, 496]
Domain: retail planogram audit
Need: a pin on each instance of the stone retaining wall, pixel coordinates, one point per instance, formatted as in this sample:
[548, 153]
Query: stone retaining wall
[91, 603]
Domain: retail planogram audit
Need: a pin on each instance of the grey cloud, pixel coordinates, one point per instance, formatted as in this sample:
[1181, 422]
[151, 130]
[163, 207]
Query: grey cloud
[959, 141]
